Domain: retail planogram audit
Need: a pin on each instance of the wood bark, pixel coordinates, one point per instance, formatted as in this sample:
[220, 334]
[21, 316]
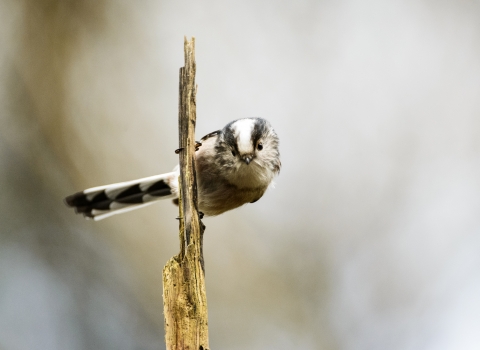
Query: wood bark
[184, 295]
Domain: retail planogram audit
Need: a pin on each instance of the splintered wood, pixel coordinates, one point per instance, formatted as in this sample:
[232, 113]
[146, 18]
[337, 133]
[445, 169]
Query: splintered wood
[184, 295]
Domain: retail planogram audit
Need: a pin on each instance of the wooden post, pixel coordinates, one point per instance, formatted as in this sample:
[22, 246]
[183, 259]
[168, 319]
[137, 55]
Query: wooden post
[184, 296]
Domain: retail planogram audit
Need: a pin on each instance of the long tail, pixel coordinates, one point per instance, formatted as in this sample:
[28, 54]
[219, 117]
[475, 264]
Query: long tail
[101, 202]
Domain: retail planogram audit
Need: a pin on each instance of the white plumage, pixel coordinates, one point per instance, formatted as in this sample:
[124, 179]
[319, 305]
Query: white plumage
[234, 166]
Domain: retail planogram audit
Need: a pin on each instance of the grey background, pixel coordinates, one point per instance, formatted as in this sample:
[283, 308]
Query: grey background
[370, 239]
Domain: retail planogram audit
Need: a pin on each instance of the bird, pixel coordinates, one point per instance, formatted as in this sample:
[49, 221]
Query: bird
[234, 166]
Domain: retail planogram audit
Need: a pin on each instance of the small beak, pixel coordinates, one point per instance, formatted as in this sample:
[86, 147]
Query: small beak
[247, 159]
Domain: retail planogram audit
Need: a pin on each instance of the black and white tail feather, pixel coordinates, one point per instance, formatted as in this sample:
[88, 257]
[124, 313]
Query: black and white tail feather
[234, 166]
[101, 202]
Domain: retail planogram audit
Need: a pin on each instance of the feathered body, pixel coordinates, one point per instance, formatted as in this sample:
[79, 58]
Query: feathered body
[234, 166]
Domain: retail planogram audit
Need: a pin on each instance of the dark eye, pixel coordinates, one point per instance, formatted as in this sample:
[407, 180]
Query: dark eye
[233, 153]
[260, 146]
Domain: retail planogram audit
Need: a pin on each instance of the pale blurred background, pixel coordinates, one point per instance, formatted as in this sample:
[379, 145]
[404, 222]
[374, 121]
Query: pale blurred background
[371, 238]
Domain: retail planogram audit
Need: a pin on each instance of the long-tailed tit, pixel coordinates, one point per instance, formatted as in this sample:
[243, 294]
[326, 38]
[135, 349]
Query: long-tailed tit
[234, 166]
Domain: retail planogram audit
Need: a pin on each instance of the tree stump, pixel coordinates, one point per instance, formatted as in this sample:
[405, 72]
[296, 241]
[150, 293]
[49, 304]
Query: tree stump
[184, 295]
